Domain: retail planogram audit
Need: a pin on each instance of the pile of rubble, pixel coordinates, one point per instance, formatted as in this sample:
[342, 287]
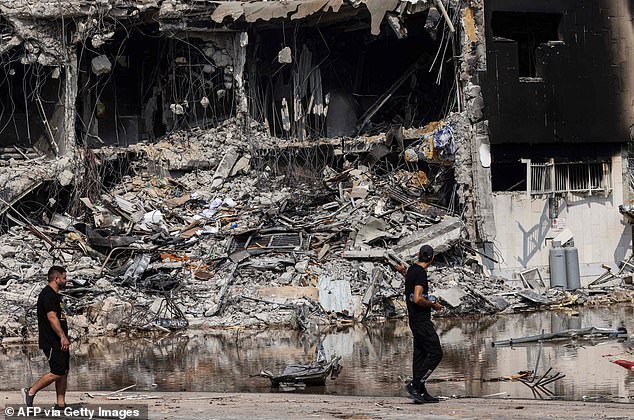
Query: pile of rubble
[247, 235]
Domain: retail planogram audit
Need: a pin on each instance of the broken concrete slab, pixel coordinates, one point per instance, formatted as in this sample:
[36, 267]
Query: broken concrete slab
[370, 254]
[371, 231]
[534, 297]
[452, 296]
[224, 168]
[101, 65]
[283, 294]
[440, 236]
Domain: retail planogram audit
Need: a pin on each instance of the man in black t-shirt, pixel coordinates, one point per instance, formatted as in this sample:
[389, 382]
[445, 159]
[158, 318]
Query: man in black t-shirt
[427, 351]
[53, 338]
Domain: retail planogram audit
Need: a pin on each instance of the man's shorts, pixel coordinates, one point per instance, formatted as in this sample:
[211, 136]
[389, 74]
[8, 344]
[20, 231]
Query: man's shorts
[58, 360]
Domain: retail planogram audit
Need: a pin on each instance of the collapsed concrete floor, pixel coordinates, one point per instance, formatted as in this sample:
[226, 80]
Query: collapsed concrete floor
[297, 235]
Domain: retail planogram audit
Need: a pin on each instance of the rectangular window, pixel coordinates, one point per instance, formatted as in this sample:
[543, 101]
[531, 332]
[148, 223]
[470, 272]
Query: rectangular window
[528, 30]
[557, 178]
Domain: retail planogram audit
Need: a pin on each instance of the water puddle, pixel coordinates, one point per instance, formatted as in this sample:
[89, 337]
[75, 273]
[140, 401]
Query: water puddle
[376, 360]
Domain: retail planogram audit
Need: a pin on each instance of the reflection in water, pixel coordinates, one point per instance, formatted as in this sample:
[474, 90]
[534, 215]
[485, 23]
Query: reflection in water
[376, 360]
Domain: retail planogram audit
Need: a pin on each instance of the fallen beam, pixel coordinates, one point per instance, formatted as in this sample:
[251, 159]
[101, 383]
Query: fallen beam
[567, 334]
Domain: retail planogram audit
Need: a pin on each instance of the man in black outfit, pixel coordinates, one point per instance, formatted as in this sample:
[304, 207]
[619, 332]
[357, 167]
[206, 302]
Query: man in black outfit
[53, 338]
[427, 351]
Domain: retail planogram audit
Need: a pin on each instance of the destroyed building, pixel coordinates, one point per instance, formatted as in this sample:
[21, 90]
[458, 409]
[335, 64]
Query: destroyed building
[151, 144]
[558, 90]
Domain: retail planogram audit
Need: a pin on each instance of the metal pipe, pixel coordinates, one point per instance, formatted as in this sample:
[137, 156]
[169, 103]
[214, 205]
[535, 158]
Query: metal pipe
[445, 15]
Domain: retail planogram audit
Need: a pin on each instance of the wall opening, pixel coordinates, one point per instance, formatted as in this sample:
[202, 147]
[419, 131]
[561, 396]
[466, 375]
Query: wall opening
[339, 80]
[30, 105]
[154, 85]
[528, 30]
[553, 169]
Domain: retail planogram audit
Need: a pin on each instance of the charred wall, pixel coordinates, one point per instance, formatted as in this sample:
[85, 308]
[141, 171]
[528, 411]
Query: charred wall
[559, 71]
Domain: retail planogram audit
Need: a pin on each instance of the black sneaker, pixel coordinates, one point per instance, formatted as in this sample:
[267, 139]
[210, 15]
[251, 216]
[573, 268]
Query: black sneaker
[427, 398]
[415, 394]
[28, 399]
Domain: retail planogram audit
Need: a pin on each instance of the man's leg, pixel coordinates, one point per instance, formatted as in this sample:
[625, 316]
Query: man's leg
[420, 354]
[62, 382]
[58, 363]
[431, 343]
[43, 382]
[415, 388]
[60, 389]
[28, 394]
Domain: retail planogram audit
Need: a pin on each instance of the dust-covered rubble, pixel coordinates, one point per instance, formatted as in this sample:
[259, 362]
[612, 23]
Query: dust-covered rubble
[277, 235]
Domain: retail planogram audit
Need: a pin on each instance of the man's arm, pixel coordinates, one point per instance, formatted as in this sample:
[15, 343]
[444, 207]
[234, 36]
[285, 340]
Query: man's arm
[421, 300]
[57, 327]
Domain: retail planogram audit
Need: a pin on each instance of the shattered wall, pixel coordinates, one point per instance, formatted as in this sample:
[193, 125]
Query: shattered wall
[473, 172]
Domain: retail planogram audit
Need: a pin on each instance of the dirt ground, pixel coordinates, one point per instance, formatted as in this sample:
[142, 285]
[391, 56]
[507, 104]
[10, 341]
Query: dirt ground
[207, 405]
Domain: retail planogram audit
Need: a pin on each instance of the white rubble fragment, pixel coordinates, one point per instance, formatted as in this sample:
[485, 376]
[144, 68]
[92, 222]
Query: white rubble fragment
[65, 178]
[101, 65]
[285, 56]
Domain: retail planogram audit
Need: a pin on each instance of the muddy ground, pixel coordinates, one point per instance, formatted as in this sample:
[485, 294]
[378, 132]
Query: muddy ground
[188, 405]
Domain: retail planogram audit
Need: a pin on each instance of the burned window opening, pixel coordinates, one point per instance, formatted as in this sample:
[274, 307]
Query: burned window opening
[560, 178]
[117, 85]
[528, 30]
[508, 176]
[554, 169]
[315, 82]
[142, 85]
[30, 111]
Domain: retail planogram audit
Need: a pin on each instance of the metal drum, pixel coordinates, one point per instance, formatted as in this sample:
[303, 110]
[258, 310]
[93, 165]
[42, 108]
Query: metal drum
[557, 262]
[573, 278]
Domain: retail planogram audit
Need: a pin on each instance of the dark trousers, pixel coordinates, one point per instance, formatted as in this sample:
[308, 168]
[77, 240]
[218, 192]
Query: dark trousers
[427, 351]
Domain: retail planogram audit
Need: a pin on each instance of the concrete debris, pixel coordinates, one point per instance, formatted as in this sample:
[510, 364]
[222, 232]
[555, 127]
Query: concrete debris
[65, 178]
[440, 236]
[189, 178]
[101, 65]
[285, 56]
[250, 246]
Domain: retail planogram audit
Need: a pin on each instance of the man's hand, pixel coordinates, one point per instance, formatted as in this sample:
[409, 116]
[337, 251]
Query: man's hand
[402, 268]
[65, 343]
[437, 306]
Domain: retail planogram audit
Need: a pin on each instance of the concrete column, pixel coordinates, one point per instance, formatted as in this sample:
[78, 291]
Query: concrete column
[477, 195]
[67, 141]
